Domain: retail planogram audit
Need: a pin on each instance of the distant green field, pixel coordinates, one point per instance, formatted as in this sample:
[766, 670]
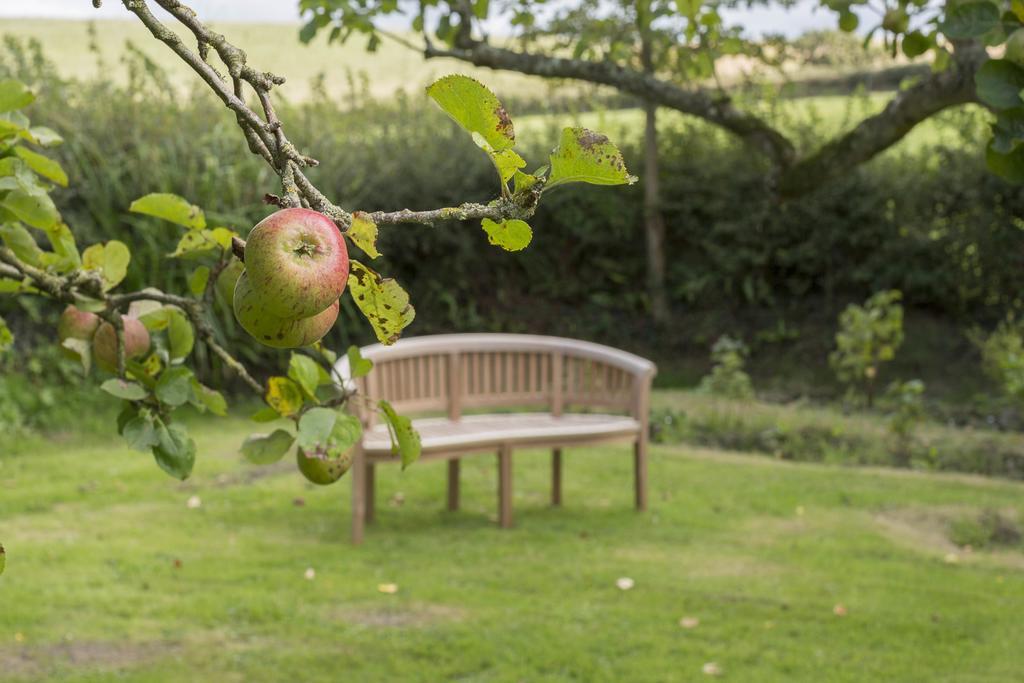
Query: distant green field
[349, 71]
[271, 47]
[792, 572]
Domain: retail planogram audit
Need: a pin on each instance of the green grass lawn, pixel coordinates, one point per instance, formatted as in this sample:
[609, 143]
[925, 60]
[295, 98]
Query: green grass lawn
[110, 573]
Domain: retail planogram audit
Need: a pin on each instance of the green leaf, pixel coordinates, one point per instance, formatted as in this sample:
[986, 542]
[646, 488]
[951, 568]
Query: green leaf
[357, 365]
[140, 432]
[206, 398]
[110, 259]
[65, 250]
[315, 428]
[267, 414]
[1009, 166]
[405, 440]
[45, 137]
[129, 391]
[508, 163]
[915, 44]
[363, 232]
[999, 83]
[174, 388]
[584, 156]
[510, 235]
[382, 300]
[264, 449]
[171, 208]
[43, 165]
[6, 338]
[306, 373]
[20, 241]
[198, 279]
[180, 335]
[284, 396]
[80, 349]
[197, 243]
[521, 182]
[175, 451]
[32, 205]
[970, 20]
[14, 95]
[475, 108]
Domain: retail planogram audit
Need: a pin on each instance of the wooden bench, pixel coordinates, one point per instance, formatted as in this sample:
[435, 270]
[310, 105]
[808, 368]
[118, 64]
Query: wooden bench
[459, 375]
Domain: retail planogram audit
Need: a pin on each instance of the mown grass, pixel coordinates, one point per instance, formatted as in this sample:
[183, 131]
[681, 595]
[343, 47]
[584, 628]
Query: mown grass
[761, 552]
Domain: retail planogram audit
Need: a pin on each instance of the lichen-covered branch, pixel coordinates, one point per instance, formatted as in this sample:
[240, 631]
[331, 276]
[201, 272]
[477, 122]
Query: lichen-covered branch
[716, 109]
[264, 133]
[934, 93]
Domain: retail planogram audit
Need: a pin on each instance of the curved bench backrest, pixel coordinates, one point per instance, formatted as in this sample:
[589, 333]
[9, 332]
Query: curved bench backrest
[457, 372]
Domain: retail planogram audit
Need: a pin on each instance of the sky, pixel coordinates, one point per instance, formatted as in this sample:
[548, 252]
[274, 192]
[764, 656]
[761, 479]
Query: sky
[757, 20]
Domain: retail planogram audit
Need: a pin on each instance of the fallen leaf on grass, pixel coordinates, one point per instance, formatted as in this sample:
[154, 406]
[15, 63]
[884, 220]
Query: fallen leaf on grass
[689, 622]
[193, 503]
[310, 574]
[839, 610]
[389, 588]
[625, 583]
[712, 669]
[299, 502]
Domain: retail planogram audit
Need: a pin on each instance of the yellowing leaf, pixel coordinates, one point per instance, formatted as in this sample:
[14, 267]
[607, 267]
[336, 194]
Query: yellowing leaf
[363, 232]
[283, 395]
[475, 108]
[511, 235]
[111, 259]
[382, 300]
[583, 156]
[171, 208]
[507, 162]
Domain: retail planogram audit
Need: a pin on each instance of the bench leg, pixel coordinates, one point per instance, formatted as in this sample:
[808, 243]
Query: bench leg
[453, 484]
[358, 498]
[640, 472]
[556, 476]
[371, 492]
[505, 487]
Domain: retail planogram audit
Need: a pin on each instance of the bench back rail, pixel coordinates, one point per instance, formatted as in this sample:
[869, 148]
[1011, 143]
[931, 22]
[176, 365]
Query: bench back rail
[462, 372]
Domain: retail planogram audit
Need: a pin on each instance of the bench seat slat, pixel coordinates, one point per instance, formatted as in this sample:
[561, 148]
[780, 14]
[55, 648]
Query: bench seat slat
[509, 428]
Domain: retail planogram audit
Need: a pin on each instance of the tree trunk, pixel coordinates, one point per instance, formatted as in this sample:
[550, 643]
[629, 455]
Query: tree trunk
[654, 221]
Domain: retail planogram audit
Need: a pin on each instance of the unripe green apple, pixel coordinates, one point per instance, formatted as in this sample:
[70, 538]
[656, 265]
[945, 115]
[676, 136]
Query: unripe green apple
[271, 330]
[77, 324]
[323, 470]
[1015, 47]
[896, 20]
[227, 280]
[104, 344]
[298, 262]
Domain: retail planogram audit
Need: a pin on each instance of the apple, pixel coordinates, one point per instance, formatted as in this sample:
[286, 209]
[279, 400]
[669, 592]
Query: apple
[271, 330]
[298, 262]
[323, 469]
[77, 324]
[104, 344]
[896, 20]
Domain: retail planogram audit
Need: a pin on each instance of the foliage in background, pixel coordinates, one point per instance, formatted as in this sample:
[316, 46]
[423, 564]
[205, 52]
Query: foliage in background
[807, 434]
[928, 220]
[906, 412]
[1003, 357]
[727, 377]
[868, 336]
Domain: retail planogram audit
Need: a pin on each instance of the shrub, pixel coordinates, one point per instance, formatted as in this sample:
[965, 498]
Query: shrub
[868, 336]
[906, 412]
[727, 377]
